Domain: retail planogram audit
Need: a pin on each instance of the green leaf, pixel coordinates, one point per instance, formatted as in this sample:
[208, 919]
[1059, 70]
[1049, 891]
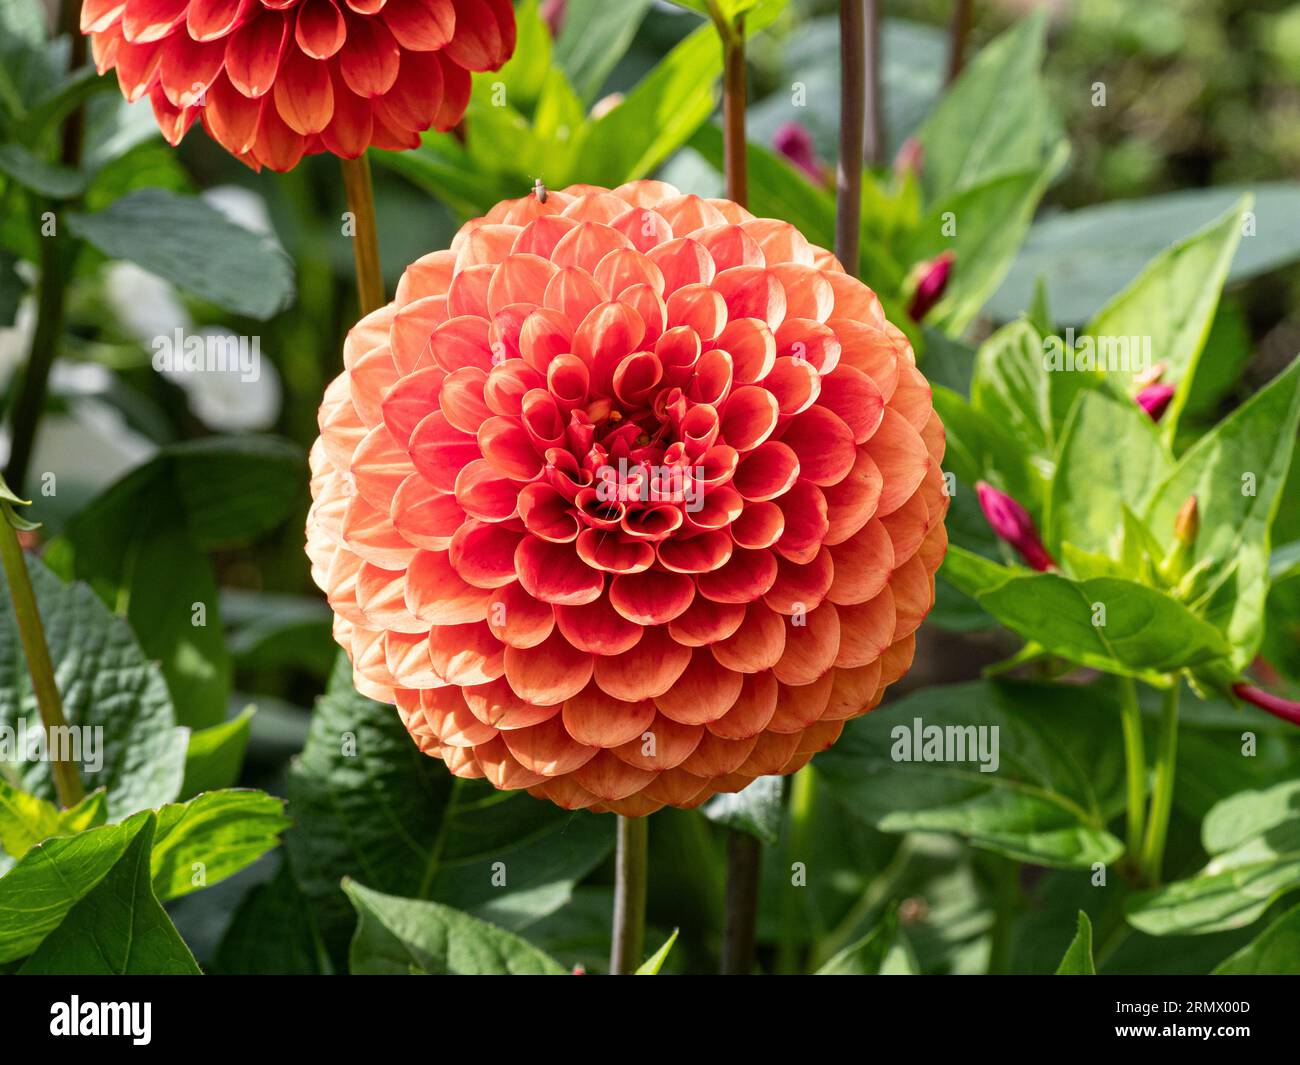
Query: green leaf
[1236, 472]
[1240, 818]
[26, 820]
[995, 118]
[1145, 633]
[273, 931]
[1078, 956]
[594, 37]
[366, 802]
[216, 754]
[46, 179]
[1274, 952]
[1172, 302]
[1012, 387]
[884, 951]
[115, 700]
[756, 809]
[1110, 456]
[657, 117]
[401, 937]
[1089, 255]
[1058, 779]
[974, 574]
[214, 835]
[652, 964]
[194, 246]
[119, 927]
[141, 545]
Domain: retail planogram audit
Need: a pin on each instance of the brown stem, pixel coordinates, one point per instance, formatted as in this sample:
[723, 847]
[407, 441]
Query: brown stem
[365, 240]
[958, 37]
[67, 784]
[744, 853]
[631, 868]
[734, 89]
[873, 143]
[848, 171]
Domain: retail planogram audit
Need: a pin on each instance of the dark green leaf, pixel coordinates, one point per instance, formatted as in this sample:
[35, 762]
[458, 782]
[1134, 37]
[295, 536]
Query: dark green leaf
[1274, 952]
[756, 809]
[884, 951]
[1078, 956]
[216, 754]
[273, 931]
[593, 38]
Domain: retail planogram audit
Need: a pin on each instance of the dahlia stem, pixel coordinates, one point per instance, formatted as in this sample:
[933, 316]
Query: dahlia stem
[734, 93]
[365, 239]
[873, 153]
[631, 867]
[739, 931]
[1162, 792]
[958, 36]
[67, 784]
[1135, 766]
[848, 170]
[794, 912]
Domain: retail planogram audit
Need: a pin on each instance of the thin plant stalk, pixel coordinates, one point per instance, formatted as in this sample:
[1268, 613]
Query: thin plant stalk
[67, 784]
[958, 37]
[1135, 767]
[740, 920]
[360, 190]
[1162, 790]
[873, 144]
[803, 796]
[734, 99]
[848, 171]
[631, 868]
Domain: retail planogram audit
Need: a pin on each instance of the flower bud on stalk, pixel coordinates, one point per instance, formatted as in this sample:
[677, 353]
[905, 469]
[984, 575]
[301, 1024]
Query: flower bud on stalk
[931, 282]
[1013, 524]
[910, 159]
[795, 143]
[1155, 399]
[1186, 526]
[1286, 709]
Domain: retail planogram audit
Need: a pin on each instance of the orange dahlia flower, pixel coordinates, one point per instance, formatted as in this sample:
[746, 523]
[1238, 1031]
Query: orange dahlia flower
[275, 80]
[628, 498]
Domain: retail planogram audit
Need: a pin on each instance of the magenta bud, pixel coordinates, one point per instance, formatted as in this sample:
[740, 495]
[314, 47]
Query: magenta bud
[1013, 524]
[933, 279]
[795, 142]
[552, 12]
[910, 158]
[1154, 399]
[1286, 709]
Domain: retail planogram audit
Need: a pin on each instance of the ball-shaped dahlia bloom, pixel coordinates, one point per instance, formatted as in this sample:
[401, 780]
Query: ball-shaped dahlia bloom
[275, 80]
[628, 498]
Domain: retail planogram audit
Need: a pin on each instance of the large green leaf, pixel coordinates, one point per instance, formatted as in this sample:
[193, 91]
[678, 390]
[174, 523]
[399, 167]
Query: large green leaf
[1058, 781]
[1110, 456]
[141, 545]
[273, 931]
[1274, 952]
[26, 820]
[196, 247]
[1171, 304]
[208, 839]
[1143, 632]
[1078, 956]
[995, 119]
[1236, 472]
[119, 927]
[365, 802]
[593, 38]
[215, 755]
[1088, 256]
[113, 697]
[1254, 842]
[884, 951]
[402, 937]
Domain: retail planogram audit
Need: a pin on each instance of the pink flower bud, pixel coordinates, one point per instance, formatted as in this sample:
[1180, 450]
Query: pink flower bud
[1286, 709]
[796, 144]
[910, 158]
[1154, 399]
[930, 287]
[552, 13]
[1013, 524]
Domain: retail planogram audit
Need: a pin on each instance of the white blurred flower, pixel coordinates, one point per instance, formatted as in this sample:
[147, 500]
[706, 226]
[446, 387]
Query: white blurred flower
[240, 205]
[145, 304]
[227, 399]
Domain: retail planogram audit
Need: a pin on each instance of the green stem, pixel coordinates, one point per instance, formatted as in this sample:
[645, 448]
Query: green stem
[631, 868]
[803, 794]
[734, 96]
[365, 240]
[740, 922]
[1135, 766]
[67, 784]
[1162, 792]
[1005, 876]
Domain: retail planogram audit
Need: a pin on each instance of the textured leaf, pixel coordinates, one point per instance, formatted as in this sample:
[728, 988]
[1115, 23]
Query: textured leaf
[1058, 781]
[1078, 956]
[400, 937]
[273, 931]
[196, 247]
[756, 809]
[365, 802]
[118, 928]
[115, 698]
[26, 820]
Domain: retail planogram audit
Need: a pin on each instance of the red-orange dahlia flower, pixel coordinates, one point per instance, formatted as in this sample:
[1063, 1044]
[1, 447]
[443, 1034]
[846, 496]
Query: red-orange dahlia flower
[628, 498]
[275, 80]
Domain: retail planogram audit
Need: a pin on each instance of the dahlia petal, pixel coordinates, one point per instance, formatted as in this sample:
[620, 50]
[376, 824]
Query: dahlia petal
[805, 340]
[411, 333]
[519, 620]
[854, 398]
[610, 778]
[869, 350]
[810, 648]
[852, 691]
[794, 385]
[483, 39]
[822, 443]
[496, 704]
[801, 587]
[756, 646]
[752, 292]
[799, 707]
[676, 787]
[424, 516]
[806, 523]
[381, 598]
[410, 400]
[913, 587]
[412, 102]
[662, 745]
[897, 660]
[98, 15]
[749, 417]
[483, 553]
[592, 718]
[698, 308]
[144, 21]
[320, 30]
[253, 53]
[750, 713]
[851, 503]
[370, 532]
[597, 627]
[907, 527]
[456, 86]
[705, 622]
[466, 654]
[379, 466]
[645, 229]
[188, 68]
[439, 451]
[303, 93]
[767, 472]
[703, 693]
[807, 292]
[746, 576]
[548, 748]
[438, 595]
[862, 565]
[420, 25]
[759, 525]
[554, 574]
[866, 629]
[549, 672]
[715, 756]
[451, 720]
[651, 597]
[369, 59]
[752, 346]
[499, 766]
[407, 657]
[277, 147]
[771, 751]
[646, 671]
[901, 456]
